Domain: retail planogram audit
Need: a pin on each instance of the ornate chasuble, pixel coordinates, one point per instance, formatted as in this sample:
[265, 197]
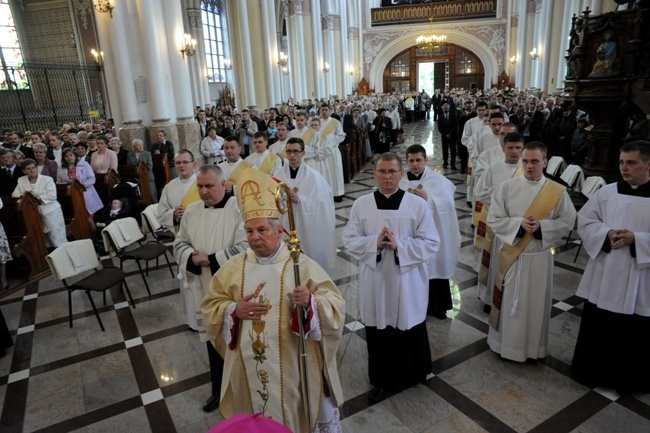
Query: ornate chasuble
[260, 342]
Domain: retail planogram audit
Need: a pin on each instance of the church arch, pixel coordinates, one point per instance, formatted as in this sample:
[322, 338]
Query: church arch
[464, 40]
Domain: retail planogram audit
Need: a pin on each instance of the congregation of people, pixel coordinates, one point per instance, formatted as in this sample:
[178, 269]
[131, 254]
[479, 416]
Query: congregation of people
[236, 274]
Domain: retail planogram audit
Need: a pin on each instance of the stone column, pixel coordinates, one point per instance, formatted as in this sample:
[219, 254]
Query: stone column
[186, 126]
[298, 55]
[353, 60]
[270, 50]
[154, 65]
[521, 44]
[331, 54]
[198, 64]
[564, 42]
[343, 50]
[317, 50]
[132, 127]
[246, 57]
[547, 13]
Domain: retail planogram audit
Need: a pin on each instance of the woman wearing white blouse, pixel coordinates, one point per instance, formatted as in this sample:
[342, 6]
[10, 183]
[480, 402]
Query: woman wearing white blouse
[44, 188]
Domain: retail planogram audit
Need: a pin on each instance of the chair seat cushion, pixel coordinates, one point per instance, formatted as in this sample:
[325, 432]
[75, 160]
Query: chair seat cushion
[100, 280]
[145, 252]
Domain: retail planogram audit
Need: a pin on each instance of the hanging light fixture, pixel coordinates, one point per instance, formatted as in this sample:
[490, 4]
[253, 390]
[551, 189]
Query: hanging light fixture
[104, 6]
[432, 43]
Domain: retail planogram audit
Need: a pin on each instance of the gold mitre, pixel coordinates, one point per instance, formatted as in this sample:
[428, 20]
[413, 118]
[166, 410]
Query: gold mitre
[256, 197]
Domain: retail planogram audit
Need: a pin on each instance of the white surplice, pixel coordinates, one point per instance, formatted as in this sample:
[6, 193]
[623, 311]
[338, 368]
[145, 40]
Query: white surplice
[171, 198]
[440, 198]
[211, 231]
[616, 281]
[313, 215]
[526, 304]
[257, 159]
[392, 294]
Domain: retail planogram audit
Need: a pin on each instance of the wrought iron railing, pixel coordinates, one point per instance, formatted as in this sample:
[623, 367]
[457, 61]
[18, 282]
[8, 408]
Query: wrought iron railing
[439, 10]
[36, 96]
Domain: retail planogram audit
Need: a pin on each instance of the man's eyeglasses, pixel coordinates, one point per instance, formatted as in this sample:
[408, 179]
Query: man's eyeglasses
[387, 172]
[290, 151]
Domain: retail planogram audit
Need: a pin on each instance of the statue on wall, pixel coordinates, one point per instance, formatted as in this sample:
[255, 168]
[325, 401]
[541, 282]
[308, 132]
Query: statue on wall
[607, 65]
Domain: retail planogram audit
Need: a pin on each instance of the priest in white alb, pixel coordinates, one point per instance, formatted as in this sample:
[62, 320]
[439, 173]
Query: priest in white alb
[332, 128]
[178, 193]
[438, 192]
[263, 160]
[313, 208]
[613, 347]
[393, 235]
[211, 232]
[529, 214]
[487, 263]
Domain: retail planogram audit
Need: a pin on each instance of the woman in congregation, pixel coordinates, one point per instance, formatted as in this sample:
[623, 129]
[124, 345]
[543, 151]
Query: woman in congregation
[44, 165]
[44, 188]
[74, 168]
[104, 159]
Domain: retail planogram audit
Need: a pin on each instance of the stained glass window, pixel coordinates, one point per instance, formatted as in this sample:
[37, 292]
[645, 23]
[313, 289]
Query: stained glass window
[213, 40]
[11, 56]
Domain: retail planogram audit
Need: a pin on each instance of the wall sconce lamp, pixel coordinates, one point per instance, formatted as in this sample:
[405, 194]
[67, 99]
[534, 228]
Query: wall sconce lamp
[285, 70]
[104, 6]
[326, 67]
[534, 54]
[513, 60]
[98, 56]
[188, 47]
[350, 70]
[282, 59]
[227, 63]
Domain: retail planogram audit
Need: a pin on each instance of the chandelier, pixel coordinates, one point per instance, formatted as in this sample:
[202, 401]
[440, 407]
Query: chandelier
[432, 43]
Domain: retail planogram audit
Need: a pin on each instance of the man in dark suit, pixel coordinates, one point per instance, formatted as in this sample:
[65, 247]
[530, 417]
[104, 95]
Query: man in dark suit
[347, 123]
[16, 140]
[465, 113]
[162, 146]
[203, 124]
[532, 127]
[437, 103]
[9, 173]
[447, 126]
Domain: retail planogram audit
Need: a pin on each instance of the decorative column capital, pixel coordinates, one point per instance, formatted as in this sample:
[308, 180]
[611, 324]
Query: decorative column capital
[194, 17]
[538, 6]
[353, 32]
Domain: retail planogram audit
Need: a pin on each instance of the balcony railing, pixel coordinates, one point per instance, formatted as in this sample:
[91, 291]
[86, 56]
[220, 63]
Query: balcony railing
[440, 11]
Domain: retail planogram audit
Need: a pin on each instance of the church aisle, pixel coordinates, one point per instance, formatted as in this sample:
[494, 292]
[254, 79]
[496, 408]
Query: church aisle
[147, 372]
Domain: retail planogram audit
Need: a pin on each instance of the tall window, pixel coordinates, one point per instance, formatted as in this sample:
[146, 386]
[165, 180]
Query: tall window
[11, 58]
[213, 38]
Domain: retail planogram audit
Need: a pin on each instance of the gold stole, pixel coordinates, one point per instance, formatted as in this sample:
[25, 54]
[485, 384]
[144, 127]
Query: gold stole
[308, 135]
[241, 167]
[268, 163]
[191, 196]
[484, 236]
[543, 204]
[330, 126]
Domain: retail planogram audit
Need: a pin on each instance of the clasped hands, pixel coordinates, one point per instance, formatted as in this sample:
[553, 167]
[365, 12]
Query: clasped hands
[420, 193]
[386, 238]
[530, 224]
[620, 238]
[250, 310]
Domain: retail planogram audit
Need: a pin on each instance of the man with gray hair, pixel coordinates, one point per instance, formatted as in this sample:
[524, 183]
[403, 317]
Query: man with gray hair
[211, 232]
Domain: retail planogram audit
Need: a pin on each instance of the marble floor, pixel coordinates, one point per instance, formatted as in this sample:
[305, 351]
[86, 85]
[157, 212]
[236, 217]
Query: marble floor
[148, 372]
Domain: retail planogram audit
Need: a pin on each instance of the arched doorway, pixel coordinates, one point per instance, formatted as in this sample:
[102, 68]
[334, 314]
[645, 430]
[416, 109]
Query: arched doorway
[413, 69]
